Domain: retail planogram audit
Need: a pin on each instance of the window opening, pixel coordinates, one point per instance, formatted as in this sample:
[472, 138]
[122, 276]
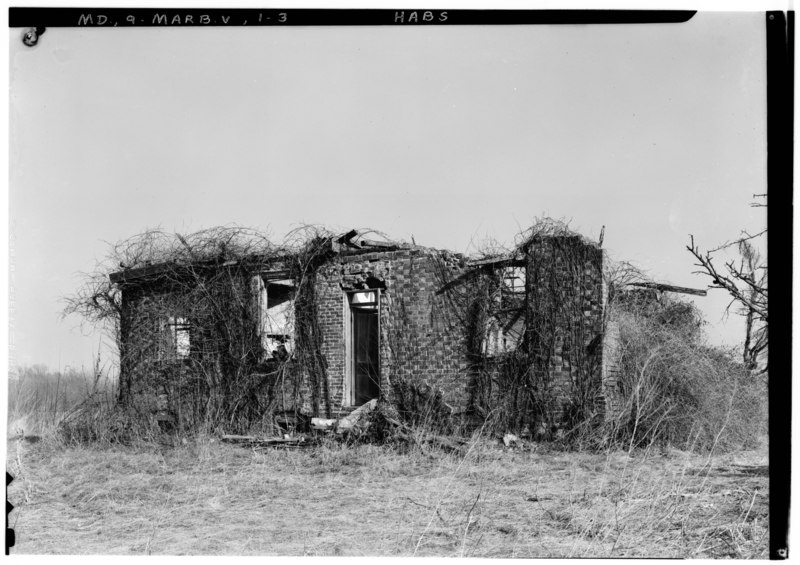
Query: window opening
[178, 338]
[506, 327]
[276, 298]
[513, 283]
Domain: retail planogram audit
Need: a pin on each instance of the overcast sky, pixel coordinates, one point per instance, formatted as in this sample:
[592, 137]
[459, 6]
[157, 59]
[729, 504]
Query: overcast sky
[452, 134]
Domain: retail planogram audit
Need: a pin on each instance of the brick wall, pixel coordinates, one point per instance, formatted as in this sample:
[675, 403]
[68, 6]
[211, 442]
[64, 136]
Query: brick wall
[420, 342]
[423, 340]
[611, 366]
[156, 375]
[565, 323]
[423, 337]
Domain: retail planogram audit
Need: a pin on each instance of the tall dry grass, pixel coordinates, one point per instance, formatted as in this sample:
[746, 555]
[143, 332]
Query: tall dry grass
[39, 399]
[205, 497]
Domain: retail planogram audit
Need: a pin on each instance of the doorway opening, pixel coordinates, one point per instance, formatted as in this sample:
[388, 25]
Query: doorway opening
[365, 381]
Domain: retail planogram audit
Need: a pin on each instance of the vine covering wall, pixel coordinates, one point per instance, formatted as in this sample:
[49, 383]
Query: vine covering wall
[549, 374]
[512, 338]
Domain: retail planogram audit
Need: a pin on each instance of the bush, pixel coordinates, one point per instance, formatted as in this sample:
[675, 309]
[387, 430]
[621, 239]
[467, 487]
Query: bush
[674, 388]
[100, 419]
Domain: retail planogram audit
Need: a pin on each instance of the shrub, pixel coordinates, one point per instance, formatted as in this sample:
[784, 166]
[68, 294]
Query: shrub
[675, 388]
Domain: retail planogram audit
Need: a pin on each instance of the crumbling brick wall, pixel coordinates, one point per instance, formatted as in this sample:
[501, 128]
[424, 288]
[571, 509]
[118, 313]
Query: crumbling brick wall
[564, 326]
[424, 341]
[221, 348]
[611, 366]
[430, 336]
[420, 341]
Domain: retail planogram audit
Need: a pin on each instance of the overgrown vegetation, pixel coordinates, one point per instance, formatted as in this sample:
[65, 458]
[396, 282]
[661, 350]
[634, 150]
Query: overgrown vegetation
[673, 387]
[648, 479]
[534, 362]
[208, 281]
[532, 320]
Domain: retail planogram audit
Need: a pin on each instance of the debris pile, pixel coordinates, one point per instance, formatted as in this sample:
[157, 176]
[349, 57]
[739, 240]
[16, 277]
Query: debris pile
[372, 422]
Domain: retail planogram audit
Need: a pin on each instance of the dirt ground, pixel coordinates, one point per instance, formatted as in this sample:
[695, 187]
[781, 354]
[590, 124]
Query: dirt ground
[209, 498]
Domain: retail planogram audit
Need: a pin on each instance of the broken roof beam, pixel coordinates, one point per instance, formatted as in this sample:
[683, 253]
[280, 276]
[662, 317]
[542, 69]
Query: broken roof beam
[148, 272]
[479, 266]
[375, 243]
[501, 260]
[347, 238]
[670, 288]
[489, 261]
[462, 278]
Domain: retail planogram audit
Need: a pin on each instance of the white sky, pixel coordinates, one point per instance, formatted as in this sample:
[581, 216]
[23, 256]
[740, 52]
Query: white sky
[451, 134]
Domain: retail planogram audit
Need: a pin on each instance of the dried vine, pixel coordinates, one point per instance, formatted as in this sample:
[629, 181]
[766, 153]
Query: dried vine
[516, 386]
[204, 281]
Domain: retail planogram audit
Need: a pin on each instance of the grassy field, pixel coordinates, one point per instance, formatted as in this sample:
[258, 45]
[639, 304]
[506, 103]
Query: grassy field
[205, 497]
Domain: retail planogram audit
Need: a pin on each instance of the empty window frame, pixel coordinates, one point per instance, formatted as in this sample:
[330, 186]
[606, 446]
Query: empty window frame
[276, 306]
[504, 333]
[506, 327]
[513, 283]
[178, 338]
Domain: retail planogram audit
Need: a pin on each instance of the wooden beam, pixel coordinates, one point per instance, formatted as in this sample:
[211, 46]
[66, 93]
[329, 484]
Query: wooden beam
[670, 288]
[511, 260]
[143, 272]
[374, 243]
[345, 238]
[490, 261]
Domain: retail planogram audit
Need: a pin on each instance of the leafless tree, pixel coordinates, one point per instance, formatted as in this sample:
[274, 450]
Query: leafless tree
[745, 280]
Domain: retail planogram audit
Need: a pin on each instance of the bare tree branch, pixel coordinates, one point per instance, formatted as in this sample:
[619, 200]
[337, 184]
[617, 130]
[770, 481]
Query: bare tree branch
[746, 283]
[737, 242]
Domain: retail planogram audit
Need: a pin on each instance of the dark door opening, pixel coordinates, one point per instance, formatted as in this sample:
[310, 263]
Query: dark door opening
[365, 347]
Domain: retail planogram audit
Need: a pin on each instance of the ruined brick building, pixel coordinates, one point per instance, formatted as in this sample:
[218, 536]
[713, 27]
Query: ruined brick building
[518, 336]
